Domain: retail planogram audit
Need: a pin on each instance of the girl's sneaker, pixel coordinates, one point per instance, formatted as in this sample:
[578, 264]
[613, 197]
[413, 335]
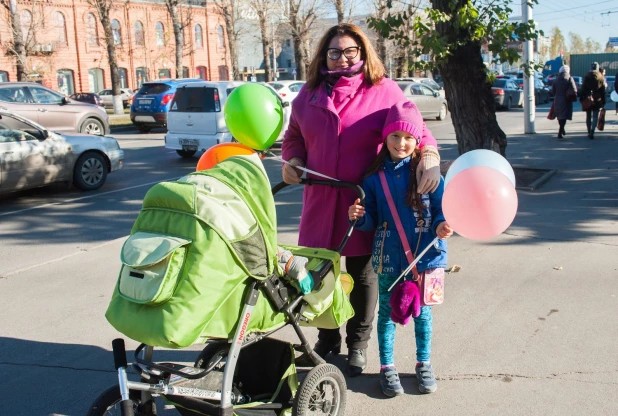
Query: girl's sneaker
[426, 380]
[389, 380]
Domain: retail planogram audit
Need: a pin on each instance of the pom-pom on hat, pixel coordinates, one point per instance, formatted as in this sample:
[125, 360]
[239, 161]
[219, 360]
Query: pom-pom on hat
[404, 116]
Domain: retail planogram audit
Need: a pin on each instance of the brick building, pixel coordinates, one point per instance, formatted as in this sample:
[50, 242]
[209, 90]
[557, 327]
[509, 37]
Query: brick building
[67, 51]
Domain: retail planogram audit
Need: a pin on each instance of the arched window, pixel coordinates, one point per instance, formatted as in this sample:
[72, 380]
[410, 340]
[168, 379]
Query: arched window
[160, 34]
[4, 76]
[26, 25]
[220, 36]
[122, 74]
[116, 33]
[199, 40]
[185, 72]
[64, 78]
[138, 29]
[141, 75]
[96, 80]
[202, 72]
[61, 28]
[91, 30]
[224, 74]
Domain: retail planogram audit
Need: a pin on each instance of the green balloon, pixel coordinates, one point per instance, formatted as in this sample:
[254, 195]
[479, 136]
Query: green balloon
[254, 116]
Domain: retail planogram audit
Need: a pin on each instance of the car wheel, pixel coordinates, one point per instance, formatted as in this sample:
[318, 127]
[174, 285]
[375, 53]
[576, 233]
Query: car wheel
[92, 126]
[442, 114]
[509, 104]
[186, 153]
[143, 129]
[90, 171]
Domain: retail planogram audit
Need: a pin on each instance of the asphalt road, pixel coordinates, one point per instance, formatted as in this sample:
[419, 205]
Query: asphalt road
[60, 258]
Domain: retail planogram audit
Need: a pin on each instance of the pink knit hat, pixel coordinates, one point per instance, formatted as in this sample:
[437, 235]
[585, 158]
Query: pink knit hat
[404, 116]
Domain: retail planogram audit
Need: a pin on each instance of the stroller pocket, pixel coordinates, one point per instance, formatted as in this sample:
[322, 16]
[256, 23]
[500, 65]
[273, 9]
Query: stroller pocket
[151, 267]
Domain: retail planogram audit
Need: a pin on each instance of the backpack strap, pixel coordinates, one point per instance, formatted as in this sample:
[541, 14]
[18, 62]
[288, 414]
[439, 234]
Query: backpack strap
[400, 231]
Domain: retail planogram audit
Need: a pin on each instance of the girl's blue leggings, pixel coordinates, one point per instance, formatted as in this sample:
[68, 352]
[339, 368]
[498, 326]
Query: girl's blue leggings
[386, 327]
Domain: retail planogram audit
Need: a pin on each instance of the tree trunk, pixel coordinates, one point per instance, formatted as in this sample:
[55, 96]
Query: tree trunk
[111, 55]
[340, 10]
[301, 69]
[469, 95]
[265, 45]
[228, 15]
[172, 8]
[471, 101]
[19, 48]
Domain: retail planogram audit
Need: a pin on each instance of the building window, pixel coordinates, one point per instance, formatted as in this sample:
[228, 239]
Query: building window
[26, 26]
[223, 73]
[116, 33]
[122, 75]
[91, 30]
[289, 63]
[138, 29]
[199, 40]
[220, 37]
[4, 76]
[141, 76]
[164, 73]
[160, 34]
[95, 80]
[185, 72]
[287, 43]
[65, 81]
[61, 29]
[202, 73]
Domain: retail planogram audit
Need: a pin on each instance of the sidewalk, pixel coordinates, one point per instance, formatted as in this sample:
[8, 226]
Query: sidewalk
[530, 323]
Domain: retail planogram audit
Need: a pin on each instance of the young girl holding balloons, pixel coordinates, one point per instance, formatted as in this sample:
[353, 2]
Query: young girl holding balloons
[422, 219]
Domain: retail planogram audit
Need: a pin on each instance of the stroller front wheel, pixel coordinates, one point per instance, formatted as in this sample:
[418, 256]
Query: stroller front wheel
[108, 403]
[323, 391]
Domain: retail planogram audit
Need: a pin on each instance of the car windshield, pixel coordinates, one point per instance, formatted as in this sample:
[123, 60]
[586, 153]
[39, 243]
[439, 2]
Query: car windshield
[500, 83]
[195, 100]
[430, 83]
[154, 89]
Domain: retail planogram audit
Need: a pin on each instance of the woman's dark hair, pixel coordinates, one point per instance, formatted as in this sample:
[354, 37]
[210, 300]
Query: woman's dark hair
[373, 67]
[413, 198]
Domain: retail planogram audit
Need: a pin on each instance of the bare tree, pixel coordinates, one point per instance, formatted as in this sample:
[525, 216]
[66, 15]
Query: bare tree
[263, 9]
[229, 9]
[18, 48]
[103, 8]
[340, 8]
[181, 17]
[302, 15]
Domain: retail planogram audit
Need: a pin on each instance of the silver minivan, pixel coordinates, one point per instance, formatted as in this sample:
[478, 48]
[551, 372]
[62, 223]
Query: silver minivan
[195, 121]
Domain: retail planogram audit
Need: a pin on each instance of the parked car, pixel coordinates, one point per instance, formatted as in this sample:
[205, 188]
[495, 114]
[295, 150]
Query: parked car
[87, 97]
[425, 81]
[578, 84]
[287, 89]
[610, 79]
[108, 99]
[51, 109]
[507, 93]
[541, 92]
[428, 101]
[33, 156]
[195, 120]
[150, 105]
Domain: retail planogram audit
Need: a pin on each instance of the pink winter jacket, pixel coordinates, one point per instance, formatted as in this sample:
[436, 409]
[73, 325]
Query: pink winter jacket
[339, 136]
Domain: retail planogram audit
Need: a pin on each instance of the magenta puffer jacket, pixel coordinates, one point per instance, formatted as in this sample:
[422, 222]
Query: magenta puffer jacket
[339, 136]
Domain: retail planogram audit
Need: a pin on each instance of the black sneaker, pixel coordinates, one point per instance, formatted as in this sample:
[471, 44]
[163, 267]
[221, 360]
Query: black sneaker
[426, 379]
[389, 381]
[356, 361]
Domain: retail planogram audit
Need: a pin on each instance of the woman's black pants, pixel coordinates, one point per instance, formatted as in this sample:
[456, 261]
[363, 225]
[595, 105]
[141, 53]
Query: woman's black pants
[364, 298]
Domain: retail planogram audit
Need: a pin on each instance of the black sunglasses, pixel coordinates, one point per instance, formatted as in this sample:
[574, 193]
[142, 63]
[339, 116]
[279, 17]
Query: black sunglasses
[350, 53]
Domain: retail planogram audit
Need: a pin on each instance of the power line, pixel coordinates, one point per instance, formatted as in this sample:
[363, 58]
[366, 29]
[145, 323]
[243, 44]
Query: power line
[580, 7]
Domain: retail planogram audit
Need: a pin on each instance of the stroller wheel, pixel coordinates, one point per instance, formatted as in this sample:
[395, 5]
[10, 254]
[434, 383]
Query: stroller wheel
[211, 351]
[108, 403]
[323, 391]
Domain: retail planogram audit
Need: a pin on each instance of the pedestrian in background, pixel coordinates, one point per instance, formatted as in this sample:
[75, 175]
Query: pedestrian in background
[564, 92]
[336, 129]
[593, 86]
[616, 89]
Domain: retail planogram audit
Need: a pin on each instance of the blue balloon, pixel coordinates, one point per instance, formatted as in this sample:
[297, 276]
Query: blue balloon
[480, 157]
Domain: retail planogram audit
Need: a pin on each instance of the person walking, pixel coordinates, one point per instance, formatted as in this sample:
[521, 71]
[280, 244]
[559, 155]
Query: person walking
[421, 220]
[593, 86]
[564, 91]
[335, 129]
[616, 89]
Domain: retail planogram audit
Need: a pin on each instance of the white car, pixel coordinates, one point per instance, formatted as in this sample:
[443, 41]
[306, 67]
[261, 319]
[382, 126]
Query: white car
[288, 89]
[195, 121]
[425, 81]
[32, 156]
[107, 99]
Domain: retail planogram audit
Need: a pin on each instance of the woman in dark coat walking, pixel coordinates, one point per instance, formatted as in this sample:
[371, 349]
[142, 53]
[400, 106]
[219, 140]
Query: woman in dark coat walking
[564, 92]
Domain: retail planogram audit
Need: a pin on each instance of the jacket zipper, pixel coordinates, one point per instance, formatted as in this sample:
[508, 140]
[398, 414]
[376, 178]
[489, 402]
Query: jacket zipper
[385, 225]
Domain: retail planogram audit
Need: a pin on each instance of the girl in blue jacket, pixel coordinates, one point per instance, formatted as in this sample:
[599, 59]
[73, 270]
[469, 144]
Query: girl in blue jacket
[422, 219]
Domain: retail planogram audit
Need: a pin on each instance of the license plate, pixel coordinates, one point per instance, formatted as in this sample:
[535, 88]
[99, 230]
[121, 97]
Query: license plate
[189, 142]
[144, 102]
[145, 119]
[189, 148]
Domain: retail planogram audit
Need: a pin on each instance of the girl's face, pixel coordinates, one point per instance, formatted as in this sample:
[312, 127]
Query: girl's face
[400, 145]
[342, 53]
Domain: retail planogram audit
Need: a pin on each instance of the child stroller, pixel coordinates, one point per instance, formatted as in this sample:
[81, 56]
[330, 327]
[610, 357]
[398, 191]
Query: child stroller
[201, 266]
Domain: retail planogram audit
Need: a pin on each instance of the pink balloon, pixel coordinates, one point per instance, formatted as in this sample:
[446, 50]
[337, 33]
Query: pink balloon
[479, 203]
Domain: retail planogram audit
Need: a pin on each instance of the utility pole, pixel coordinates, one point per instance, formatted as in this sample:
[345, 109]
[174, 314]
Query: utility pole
[529, 110]
[274, 51]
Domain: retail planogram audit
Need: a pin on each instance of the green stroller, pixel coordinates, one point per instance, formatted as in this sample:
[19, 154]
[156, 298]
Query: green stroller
[201, 266]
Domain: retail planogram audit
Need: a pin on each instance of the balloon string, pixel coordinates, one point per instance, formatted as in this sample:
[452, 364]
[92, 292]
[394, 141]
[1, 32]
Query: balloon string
[298, 167]
[407, 270]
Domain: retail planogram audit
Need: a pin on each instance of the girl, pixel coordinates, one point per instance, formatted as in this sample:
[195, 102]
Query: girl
[422, 219]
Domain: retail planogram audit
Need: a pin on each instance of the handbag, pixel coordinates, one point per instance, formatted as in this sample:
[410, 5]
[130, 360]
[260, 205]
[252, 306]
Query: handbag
[601, 122]
[552, 114]
[430, 282]
[571, 95]
[587, 103]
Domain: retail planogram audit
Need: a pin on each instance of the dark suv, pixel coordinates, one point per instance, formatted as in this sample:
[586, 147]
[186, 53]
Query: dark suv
[150, 105]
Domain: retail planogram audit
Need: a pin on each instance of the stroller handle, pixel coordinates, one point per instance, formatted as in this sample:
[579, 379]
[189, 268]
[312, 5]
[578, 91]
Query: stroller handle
[336, 184]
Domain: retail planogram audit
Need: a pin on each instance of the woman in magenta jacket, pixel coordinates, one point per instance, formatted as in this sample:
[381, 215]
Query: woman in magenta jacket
[336, 129]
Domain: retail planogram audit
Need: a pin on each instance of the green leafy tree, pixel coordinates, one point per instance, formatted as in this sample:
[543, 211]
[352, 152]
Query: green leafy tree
[453, 33]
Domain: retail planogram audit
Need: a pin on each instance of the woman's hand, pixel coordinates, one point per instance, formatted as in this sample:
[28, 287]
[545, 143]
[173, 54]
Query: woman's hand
[356, 211]
[444, 230]
[428, 170]
[290, 174]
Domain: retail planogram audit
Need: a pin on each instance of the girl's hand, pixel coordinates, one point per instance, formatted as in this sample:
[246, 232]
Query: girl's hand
[444, 231]
[290, 174]
[356, 211]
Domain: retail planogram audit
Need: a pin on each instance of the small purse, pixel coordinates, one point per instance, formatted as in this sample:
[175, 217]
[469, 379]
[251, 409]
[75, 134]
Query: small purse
[430, 282]
[587, 103]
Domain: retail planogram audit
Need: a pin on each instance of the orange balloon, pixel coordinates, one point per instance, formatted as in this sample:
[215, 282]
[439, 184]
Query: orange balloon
[220, 152]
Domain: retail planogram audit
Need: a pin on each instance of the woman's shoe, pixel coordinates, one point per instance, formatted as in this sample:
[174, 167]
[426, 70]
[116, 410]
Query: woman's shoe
[323, 348]
[357, 361]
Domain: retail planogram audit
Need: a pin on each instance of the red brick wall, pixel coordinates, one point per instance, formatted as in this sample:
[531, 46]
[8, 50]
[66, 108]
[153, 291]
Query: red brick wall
[79, 56]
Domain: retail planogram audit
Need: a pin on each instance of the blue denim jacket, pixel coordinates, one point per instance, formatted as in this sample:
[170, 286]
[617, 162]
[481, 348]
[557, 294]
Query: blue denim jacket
[388, 256]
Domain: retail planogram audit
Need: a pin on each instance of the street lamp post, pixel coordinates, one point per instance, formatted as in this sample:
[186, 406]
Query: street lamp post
[529, 111]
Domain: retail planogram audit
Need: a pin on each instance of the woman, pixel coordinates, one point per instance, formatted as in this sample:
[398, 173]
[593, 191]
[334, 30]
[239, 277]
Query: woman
[593, 86]
[564, 92]
[336, 129]
[616, 89]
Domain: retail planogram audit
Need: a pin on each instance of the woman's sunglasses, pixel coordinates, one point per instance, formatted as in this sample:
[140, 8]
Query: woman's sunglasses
[349, 53]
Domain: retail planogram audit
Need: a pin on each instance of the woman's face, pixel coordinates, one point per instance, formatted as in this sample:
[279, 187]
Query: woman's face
[346, 51]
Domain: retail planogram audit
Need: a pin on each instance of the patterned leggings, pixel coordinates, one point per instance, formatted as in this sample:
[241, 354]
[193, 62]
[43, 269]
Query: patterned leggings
[386, 327]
